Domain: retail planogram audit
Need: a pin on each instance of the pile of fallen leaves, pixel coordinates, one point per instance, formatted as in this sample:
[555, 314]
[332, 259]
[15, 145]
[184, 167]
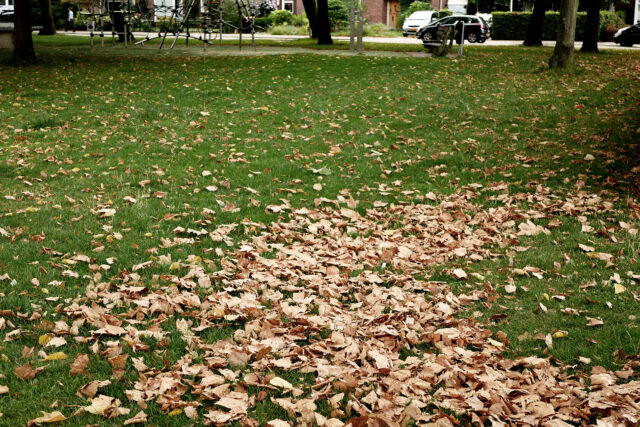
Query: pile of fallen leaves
[342, 296]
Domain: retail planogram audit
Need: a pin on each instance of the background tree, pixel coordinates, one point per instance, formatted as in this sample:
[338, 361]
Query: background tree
[46, 19]
[564, 51]
[536, 24]
[23, 49]
[324, 27]
[592, 26]
[312, 16]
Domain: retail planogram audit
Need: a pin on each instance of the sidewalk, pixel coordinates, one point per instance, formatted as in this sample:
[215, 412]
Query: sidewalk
[398, 40]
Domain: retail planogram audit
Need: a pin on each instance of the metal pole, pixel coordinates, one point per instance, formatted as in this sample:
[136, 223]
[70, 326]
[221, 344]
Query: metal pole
[511, 6]
[101, 26]
[461, 46]
[352, 30]
[635, 11]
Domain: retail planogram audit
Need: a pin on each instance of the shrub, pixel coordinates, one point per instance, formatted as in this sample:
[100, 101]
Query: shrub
[300, 21]
[376, 30]
[513, 25]
[413, 7]
[263, 24]
[338, 14]
[288, 30]
[609, 24]
[281, 17]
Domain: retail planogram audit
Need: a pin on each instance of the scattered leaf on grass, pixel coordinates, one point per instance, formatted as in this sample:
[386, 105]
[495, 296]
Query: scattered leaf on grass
[51, 417]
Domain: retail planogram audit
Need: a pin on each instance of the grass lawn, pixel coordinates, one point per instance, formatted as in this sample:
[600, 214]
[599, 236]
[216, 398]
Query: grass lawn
[311, 238]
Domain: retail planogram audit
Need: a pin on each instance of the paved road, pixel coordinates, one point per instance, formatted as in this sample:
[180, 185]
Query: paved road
[402, 40]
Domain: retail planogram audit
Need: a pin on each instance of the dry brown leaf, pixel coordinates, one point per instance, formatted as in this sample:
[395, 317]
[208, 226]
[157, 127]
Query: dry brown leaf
[79, 365]
[25, 372]
[140, 417]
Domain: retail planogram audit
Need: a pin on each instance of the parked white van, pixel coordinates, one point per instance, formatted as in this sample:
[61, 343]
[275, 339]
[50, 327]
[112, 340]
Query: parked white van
[6, 6]
[417, 20]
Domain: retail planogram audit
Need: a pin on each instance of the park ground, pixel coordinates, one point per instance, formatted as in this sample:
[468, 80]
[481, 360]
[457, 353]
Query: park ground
[308, 239]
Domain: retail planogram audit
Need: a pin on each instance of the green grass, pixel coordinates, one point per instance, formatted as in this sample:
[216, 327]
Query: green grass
[92, 125]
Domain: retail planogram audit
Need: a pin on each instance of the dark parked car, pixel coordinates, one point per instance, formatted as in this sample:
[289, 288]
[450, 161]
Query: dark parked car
[476, 29]
[628, 36]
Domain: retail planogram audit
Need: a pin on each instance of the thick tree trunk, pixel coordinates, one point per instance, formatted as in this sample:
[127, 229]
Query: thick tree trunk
[536, 23]
[48, 26]
[312, 16]
[564, 51]
[323, 28]
[592, 26]
[23, 50]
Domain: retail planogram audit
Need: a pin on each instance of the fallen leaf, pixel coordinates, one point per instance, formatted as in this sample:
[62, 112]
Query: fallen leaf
[459, 273]
[79, 365]
[56, 356]
[51, 417]
[140, 417]
[594, 322]
[280, 382]
[25, 372]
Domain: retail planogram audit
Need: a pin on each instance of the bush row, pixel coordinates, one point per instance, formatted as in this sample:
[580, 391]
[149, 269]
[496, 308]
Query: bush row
[513, 25]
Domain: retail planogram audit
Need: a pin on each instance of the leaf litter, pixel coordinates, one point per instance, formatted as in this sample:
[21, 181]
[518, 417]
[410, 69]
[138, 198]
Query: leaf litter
[343, 297]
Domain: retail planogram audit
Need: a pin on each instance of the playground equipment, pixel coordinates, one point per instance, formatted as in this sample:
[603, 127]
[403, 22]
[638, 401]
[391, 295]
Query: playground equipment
[177, 19]
[120, 13]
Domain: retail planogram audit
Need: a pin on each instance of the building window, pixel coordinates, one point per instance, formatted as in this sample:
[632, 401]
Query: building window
[287, 5]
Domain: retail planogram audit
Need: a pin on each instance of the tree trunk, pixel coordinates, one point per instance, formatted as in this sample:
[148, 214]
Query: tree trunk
[48, 26]
[312, 16]
[592, 26]
[23, 50]
[564, 51]
[324, 27]
[536, 24]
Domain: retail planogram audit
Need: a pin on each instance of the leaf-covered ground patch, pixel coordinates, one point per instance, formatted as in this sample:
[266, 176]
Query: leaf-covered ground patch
[312, 239]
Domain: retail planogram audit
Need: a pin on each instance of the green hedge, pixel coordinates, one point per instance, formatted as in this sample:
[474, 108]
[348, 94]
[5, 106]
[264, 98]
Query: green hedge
[513, 25]
[263, 23]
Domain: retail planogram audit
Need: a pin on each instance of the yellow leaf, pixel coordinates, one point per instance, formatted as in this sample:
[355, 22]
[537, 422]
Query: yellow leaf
[619, 288]
[175, 412]
[52, 417]
[56, 356]
[44, 339]
[560, 334]
[175, 266]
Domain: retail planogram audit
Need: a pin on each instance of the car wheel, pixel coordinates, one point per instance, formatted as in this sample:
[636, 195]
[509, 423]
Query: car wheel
[472, 38]
[627, 43]
[427, 37]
